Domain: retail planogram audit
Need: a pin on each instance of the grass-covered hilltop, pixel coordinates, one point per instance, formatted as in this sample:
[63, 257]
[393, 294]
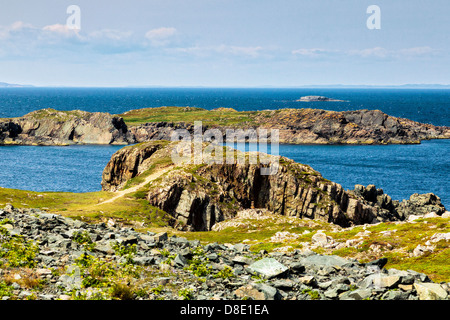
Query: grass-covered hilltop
[296, 126]
[164, 230]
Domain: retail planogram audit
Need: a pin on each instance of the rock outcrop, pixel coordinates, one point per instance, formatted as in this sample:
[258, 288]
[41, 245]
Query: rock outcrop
[417, 204]
[198, 196]
[128, 163]
[52, 127]
[296, 126]
[313, 126]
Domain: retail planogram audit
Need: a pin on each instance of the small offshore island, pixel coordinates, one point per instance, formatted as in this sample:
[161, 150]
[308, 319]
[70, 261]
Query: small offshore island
[213, 231]
[317, 98]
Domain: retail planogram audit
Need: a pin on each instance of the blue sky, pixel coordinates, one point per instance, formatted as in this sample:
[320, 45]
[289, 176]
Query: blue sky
[224, 43]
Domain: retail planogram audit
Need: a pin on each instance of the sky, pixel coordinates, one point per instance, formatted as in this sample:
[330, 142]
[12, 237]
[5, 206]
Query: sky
[224, 43]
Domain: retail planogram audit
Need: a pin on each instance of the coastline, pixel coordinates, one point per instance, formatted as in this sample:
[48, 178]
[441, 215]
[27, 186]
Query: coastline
[296, 126]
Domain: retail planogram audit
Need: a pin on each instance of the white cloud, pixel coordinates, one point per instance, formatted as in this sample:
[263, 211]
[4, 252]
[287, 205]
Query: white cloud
[110, 34]
[15, 29]
[239, 51]
[418, 51]
[375, 52]
[58, 35]
[371, 52]
[160, 36]
[225, 50]
[314, 52]
[379, 52]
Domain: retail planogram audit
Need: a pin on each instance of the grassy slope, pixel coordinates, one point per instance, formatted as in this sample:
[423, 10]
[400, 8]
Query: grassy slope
[186, 114]
[130, 209]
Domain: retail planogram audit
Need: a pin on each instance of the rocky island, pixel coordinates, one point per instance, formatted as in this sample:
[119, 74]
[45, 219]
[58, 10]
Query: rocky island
[317, 98]
[296, 126]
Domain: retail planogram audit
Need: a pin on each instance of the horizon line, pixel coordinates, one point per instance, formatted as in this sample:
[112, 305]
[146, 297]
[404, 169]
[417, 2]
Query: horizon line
[410, 85]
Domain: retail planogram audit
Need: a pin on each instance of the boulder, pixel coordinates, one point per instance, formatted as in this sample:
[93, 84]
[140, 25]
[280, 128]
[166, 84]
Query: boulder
[268, 268]
[430, 291]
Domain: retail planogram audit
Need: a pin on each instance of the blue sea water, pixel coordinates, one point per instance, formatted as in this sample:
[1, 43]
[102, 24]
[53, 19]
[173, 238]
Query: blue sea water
[400, 170]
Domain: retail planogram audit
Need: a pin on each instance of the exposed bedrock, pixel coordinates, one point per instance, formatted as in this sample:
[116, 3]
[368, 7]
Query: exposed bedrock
[52, 127]
[296, 126]
[314, 126]
[198, 196]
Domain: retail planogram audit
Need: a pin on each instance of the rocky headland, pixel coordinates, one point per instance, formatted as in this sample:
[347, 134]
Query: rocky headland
[296, 126]
[198, 196]
[47, 256]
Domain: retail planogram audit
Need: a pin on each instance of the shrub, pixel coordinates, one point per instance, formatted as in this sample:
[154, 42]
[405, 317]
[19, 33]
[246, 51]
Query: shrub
[225, 273]
[17, 252]
[121, 291]
[186, 294]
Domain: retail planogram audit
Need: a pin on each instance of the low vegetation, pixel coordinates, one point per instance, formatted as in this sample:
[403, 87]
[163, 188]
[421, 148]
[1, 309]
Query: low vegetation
[225, 117]
[393, 240]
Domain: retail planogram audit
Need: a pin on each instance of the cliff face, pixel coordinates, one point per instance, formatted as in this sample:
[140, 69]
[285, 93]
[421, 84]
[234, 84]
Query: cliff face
[52, 127]
[296, 126]
[314, 126]
[351, 127]
[198, 196]
[126, 164]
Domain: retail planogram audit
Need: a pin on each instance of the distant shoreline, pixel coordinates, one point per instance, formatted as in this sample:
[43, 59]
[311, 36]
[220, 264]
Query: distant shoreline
[330, 86]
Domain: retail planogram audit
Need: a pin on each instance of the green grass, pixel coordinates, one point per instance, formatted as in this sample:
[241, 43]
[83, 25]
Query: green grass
[128, 209]
[186, 114]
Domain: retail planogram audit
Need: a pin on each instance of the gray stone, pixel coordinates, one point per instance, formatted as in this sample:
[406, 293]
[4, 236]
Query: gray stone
[143, 261]
[308, 280]
[430, 291]
[395, 295]
[257, 291]
[240, 247]
[324, 260]
[129, 240]
[284, 284]
[212, 256]
[268, 268]
[358, 294]
[159, 237]
[72, 279]
[242, 260]
[379, 280]
[297, 267]
[180, 261]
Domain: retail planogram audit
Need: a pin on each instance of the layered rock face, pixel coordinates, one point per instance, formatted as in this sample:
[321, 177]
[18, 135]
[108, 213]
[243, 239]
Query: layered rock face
[126, 164]
[417, 204]
[198, 196]
[52, 127]
[315, 126]
[296, 126]
[350, 127]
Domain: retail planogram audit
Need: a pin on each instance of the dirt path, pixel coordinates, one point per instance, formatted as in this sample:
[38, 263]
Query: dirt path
[121, 193]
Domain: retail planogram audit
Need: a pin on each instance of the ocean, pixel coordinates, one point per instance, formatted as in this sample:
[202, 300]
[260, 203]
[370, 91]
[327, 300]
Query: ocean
[400, 170]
